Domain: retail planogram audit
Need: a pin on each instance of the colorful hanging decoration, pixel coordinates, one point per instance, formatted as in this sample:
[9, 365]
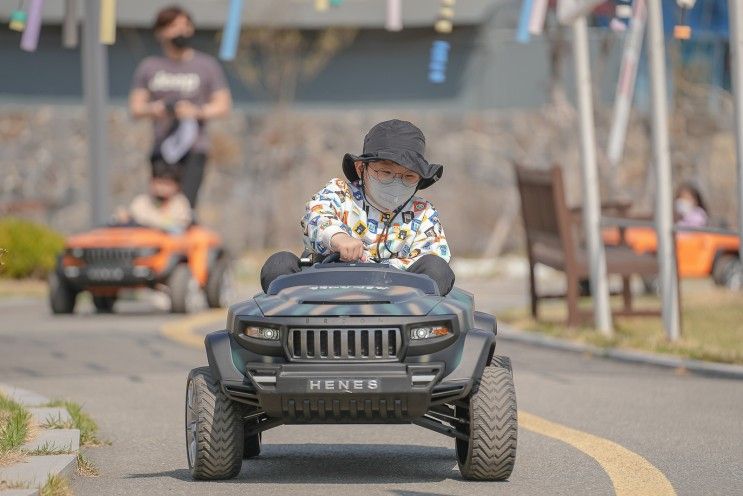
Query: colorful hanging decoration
[622, 15]
[30, 38]
[682, 30]
[336, 3]
[108, 22]
[522, 31]
[440, 48]
[445, 22]
[322, 5]
[69, 25]
[439, 61]
[393, 19]
[538, 15]
[231, 32]
[18, 18]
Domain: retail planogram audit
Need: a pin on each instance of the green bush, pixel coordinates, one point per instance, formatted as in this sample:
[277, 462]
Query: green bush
[27, 249]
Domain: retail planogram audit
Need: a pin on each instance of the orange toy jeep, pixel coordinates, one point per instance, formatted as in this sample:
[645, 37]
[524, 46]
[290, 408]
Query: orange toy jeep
[700, 253]
[106, 260]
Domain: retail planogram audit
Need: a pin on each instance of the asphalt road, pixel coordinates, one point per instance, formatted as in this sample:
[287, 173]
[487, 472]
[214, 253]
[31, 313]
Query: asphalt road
[132, 380]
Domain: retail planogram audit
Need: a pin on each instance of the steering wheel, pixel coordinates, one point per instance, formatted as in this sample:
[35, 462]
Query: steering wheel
[332, 258]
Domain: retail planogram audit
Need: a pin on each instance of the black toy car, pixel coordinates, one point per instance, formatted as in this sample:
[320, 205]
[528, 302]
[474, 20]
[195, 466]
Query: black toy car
[353, 343]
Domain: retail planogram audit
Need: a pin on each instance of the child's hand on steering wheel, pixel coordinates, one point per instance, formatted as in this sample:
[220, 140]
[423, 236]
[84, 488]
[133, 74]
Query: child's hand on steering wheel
[351, 249]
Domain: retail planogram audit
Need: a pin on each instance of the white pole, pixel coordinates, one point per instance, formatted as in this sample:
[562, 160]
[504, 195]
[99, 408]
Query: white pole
[95, 87]
[626, 83]
[735, 11]
[661, 157]
[591, 202]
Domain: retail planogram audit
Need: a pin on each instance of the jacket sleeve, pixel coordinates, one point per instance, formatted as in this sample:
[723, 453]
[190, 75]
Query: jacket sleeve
[323, 217]
[429, 240]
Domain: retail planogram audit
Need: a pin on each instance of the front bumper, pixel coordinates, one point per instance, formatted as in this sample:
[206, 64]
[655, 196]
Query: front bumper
[342, 392]
[338, 392]
[84, 277]
[116, 275]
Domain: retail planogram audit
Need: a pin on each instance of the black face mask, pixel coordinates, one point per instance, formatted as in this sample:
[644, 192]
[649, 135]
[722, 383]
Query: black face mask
[160, 198]
[181, 41]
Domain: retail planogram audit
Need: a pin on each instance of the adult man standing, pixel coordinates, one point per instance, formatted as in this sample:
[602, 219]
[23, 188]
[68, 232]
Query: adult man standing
[180, 91]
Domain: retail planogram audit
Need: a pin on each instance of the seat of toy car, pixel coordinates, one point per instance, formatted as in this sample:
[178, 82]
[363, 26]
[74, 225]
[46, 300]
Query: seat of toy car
[354, 274]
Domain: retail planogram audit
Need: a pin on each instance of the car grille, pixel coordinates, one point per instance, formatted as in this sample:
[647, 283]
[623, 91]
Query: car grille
[345, 344]
[109, 256]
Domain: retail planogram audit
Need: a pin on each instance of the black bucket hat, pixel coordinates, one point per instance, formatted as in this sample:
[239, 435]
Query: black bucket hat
[401, 142]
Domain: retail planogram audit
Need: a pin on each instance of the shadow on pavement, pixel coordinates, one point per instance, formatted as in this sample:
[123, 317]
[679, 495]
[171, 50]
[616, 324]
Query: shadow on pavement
[340, 464]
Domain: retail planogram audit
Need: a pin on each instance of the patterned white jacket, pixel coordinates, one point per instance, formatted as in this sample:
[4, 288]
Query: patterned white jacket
[340, 207]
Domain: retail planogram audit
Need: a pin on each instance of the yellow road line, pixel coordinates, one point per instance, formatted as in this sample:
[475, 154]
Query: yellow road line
[184, 330]
[630, 474]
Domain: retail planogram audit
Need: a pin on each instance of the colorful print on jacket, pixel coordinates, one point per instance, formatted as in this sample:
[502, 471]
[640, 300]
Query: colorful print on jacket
[340, 207]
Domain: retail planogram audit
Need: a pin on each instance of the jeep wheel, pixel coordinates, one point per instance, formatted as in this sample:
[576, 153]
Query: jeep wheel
[61, 296]
[214, 429]
[490, 452]
[185, 294]
[219, 286]
[721, 267]
[252, 446]
[104, 304]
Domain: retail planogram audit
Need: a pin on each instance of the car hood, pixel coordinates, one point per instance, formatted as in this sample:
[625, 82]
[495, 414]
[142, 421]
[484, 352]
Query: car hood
[347, 300]
[117, 237]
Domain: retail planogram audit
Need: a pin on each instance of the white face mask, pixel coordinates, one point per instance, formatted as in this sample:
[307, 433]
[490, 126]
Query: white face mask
[387, 197]
[684, 206]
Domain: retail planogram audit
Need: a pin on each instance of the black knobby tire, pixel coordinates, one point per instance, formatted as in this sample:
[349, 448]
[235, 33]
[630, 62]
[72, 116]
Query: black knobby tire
[61, 295]
[252, 446]
[215, 285]
[104, 304]
[218, 433]
[490, 452]
[178, 284]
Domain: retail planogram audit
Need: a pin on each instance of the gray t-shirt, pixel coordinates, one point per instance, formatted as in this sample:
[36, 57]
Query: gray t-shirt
[195, 80]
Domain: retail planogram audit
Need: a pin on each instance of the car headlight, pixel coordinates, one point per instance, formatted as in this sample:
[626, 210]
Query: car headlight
[427, 332]
[148, 252]
[75, 252]
[267, 333]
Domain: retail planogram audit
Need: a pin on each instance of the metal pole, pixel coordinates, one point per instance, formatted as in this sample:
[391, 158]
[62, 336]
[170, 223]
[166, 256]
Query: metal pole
[661, 157]
[591, 202]
[736, 57]
[626, 83]
[95, 86]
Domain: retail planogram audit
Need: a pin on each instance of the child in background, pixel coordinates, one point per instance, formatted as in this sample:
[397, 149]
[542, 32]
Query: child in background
[164, 207]
[690, 207]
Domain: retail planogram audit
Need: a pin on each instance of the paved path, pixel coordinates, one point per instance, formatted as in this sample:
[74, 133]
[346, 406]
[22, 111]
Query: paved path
[132, 379]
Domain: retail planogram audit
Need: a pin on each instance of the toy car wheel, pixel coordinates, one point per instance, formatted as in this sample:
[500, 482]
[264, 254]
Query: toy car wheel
[490, 452]
[214, 429]
[651, 285]
[104, 304]
[220, 285]
[185, 293]
[734, 276]
[721, 267]
[252, 446]
[61, 296]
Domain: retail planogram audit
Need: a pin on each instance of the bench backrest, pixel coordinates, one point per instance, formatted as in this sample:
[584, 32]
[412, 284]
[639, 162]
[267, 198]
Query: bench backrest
[547, 218]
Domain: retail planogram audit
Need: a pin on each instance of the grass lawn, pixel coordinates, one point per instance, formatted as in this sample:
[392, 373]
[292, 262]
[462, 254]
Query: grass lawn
[712, 324]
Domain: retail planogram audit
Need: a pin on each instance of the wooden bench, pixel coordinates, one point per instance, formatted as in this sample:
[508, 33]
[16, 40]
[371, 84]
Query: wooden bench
[554, 238]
